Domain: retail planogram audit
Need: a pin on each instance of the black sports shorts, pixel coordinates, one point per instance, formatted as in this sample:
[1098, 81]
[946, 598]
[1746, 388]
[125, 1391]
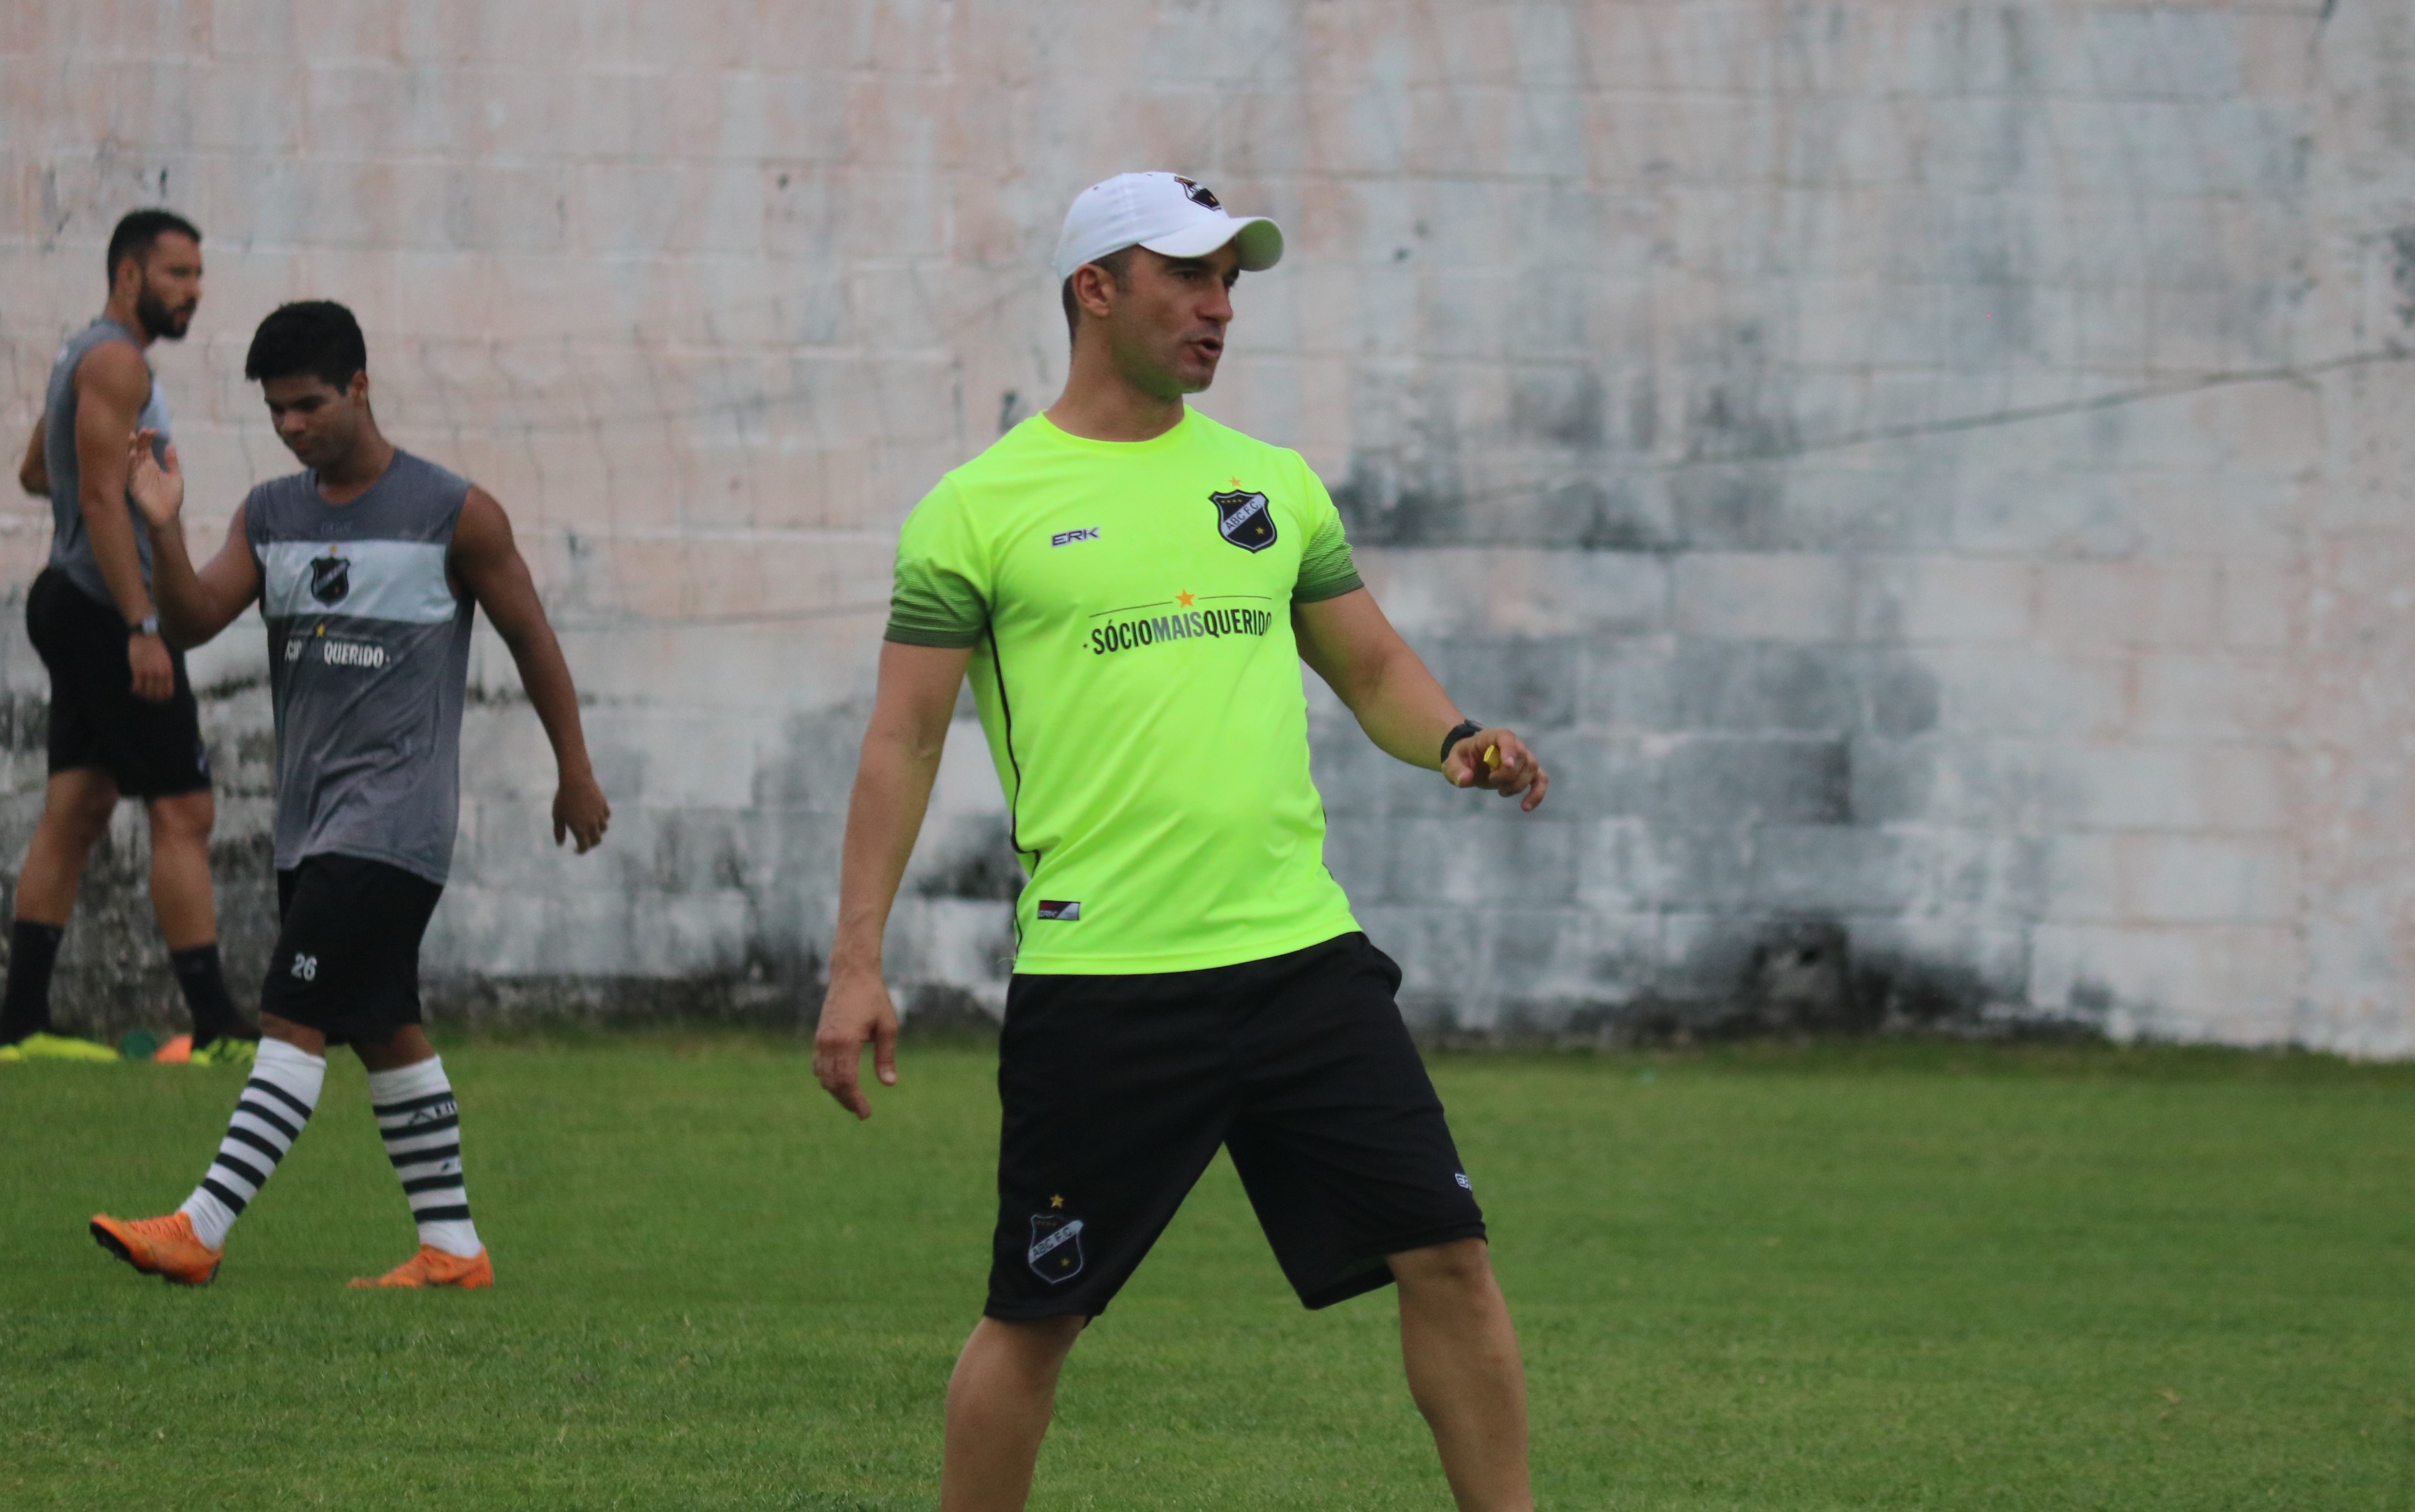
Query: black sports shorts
[347, 956]
[1118, 1090]
[151, 750]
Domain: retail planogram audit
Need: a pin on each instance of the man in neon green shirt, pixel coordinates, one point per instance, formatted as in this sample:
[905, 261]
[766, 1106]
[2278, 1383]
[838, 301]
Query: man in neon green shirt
[1132, 587]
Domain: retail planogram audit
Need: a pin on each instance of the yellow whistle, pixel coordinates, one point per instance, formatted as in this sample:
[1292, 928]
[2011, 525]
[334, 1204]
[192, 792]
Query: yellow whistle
[1491, 755]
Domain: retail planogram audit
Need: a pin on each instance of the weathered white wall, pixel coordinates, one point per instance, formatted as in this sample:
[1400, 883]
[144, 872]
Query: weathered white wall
[1933, 475]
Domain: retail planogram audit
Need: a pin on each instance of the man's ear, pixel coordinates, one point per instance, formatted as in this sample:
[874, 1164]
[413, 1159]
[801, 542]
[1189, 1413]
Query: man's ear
[1094, 290]
[358, 389]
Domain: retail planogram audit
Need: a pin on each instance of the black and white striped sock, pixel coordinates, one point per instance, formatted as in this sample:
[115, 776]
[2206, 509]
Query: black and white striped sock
[268, 1118]
[421, 1127]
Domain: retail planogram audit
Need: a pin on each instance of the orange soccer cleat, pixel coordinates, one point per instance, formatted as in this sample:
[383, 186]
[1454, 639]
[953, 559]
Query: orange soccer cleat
[432, 1267]
[164, 1247]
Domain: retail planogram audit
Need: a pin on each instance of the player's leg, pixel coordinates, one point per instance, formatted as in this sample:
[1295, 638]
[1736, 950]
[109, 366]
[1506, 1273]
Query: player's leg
[1114, 1095]
[1000, 1401]
[182, 898]
[276, 1101]
[410, 1092]
[76, 806]
[421, 1124]
[156, 752]
[275, 1104]
[1341, 1144]
[1465, 1374]
[304, 1003]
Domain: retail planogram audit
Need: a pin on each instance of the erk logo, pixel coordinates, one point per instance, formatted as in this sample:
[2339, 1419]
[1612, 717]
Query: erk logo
[1087, 532]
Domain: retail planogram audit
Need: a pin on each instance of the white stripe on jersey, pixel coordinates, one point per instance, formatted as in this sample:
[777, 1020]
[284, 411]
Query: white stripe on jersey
[382, 580]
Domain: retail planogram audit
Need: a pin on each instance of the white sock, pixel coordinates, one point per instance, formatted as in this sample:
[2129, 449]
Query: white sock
[421, 1127]
[268, 1118]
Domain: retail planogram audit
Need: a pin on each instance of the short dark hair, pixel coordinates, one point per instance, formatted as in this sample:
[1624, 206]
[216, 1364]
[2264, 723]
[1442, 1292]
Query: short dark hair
[141, 230]
[1118, 267]
[317, 337]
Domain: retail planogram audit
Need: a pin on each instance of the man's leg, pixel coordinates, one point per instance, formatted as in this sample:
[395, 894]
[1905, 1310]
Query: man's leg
[1461, 1354]
[269, 1114]
[421, 1124]
[180, 868]
[187, 913]
[998, 1404]
[76, 806]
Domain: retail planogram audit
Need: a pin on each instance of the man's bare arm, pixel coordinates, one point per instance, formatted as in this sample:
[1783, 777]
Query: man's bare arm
[916, 697]
[193, 606]
[488, 563]
[1399, 703]
[34, 472]
[112, 385]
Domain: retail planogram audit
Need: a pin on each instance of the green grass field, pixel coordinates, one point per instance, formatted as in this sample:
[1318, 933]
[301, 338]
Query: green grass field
[1873, 1275]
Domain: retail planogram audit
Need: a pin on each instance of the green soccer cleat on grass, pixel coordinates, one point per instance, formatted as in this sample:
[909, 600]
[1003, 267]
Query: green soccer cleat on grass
[226, 1049]
[55, 1047]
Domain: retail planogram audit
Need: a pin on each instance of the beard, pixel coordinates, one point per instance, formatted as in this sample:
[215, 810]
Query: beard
[157, 320]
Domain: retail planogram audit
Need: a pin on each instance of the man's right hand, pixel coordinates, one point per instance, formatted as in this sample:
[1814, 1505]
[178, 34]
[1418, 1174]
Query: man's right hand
[155, 671]
[856, 1009]
[157, 489]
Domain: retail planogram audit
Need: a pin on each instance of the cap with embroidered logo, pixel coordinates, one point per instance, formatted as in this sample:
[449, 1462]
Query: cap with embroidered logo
[1166, 213]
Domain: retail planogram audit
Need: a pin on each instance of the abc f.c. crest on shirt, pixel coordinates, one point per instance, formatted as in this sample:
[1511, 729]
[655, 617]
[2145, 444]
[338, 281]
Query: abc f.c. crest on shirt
[331, 578]
[1244, 519]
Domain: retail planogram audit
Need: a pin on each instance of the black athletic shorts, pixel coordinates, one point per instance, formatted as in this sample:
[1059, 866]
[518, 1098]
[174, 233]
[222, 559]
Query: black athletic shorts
[347, 956]
[1118, 1090]
[152, 750]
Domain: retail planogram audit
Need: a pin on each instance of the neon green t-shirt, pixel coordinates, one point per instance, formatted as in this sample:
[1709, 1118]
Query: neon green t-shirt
[1129, 606]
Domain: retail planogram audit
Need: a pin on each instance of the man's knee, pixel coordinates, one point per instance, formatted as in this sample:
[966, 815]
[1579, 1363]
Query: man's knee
[407, 1046]
[1459, 1266]
[83, 809]
[1040, 1343]
[300, 1036]
[187, 817]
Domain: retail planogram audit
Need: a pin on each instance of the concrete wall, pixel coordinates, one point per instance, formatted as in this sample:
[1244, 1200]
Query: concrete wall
[1931, 476]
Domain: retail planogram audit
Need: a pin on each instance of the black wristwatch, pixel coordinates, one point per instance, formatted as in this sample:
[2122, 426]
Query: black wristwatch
[1458, 732]
[148, 625]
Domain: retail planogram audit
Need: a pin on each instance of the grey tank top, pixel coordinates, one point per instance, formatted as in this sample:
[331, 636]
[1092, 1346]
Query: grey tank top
[70, 542]
[368, 656]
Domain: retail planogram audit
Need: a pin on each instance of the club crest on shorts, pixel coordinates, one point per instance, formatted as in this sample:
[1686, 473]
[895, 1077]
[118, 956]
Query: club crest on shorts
[1245, 519]
[1055, 1252]
[331, 578]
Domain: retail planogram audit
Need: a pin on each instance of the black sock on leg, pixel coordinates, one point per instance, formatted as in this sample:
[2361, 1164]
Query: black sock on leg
[203, 981]
[33, 952]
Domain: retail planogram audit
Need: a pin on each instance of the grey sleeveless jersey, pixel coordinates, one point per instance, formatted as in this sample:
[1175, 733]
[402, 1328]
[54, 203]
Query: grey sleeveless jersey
[368, 655]
[70, 542]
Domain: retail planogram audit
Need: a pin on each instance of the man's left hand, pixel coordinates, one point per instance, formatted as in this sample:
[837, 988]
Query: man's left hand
[580, 811]
[1512, 770]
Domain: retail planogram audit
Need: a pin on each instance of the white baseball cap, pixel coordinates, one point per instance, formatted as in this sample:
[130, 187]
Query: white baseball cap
[1166, 213]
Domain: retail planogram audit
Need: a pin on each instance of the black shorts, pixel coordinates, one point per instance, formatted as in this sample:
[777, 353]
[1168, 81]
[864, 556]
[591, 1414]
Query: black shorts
[151, 750]
[1118, 1090]
[347, 956]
